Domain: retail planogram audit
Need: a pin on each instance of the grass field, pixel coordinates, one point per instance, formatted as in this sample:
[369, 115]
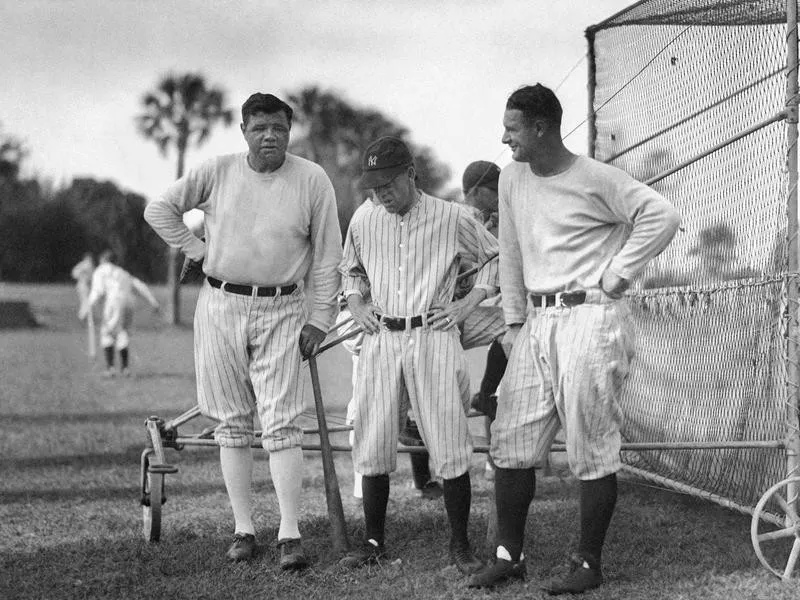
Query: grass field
[70, 519]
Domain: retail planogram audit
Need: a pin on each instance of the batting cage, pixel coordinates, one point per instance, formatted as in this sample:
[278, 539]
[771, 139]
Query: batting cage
[698, 98]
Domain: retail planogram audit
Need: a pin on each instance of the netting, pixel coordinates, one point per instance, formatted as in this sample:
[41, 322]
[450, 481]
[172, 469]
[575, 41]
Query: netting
[673, 80]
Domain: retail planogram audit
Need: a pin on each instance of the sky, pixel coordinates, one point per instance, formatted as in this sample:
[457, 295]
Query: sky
[74, 72]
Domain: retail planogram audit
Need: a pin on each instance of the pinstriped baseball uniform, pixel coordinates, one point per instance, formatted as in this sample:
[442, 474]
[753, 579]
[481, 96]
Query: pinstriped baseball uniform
[567, 366]
[409, 264]
[265, 229]
[117, 286]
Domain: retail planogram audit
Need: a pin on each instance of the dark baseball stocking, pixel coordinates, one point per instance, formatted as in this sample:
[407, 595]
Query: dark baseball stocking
[514, 491]
[420, 469]
[123, 356]
[598, 499]
[108, 352]
[375, 491]
[496, 362]
[457, 500]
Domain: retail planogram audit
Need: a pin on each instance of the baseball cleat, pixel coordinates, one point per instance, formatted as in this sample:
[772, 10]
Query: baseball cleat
[465, 561]
[497, 572]
[581, 577]
[242, 548]
[369, 552]
[292, 556]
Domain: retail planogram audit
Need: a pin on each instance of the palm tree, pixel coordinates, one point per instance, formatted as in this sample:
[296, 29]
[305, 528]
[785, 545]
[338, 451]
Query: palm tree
[181, 111]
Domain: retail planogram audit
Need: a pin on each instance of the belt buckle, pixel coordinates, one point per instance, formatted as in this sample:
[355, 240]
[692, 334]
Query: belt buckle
[254, 291]
[560, 300]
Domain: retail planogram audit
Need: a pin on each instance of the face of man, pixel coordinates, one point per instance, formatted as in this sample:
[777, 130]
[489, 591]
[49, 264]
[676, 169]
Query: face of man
[267, 137]
[524, 139]
[399, 195]
[482, 199]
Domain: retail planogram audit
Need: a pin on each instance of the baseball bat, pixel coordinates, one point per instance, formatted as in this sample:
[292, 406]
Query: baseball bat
[332, 495]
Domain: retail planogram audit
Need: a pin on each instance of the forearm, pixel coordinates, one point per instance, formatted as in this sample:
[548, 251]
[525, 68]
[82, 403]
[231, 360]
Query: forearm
[167, 221]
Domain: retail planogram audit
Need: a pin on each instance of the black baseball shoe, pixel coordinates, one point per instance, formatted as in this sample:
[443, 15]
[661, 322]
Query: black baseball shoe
[410, 436]
[581, 576]
[462, 557]
[369, 552]
[485, 403]
[242, 548]
[497, 572]
[293, 558]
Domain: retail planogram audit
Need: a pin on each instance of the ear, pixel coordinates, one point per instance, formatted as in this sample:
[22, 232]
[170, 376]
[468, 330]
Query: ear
[540, 126]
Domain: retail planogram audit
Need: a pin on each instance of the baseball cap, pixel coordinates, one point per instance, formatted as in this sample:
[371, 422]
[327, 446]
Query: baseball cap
[480, 173]
[383, 160]
[267, 103]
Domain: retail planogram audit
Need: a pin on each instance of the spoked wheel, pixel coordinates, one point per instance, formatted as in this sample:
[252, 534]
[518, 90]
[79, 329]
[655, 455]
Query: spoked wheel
[152, 500]
[780, 543]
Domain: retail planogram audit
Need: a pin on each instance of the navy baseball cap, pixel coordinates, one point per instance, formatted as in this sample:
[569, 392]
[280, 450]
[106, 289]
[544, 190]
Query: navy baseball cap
[384, 159]
[480, 173]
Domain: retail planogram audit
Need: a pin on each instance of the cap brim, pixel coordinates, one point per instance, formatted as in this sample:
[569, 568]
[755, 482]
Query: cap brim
[379, 177]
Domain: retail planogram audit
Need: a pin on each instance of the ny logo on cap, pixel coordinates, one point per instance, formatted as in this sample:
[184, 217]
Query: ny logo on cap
[373, 161]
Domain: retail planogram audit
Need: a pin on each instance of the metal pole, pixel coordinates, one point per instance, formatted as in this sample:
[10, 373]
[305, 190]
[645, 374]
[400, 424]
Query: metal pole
[793, 369]
[591, 116]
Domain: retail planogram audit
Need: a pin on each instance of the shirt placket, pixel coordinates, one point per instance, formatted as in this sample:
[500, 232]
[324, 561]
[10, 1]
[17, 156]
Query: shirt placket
[402, 266]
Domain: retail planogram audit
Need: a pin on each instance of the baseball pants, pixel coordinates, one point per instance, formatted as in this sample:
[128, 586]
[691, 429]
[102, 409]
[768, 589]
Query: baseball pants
[247, 357]
[117, 320]
[427, 369]
[566, 369]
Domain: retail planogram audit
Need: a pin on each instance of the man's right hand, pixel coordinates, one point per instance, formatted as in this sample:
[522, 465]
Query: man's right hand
[363, 314]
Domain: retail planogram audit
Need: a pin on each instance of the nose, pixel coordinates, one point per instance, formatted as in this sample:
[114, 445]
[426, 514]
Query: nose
[506, 138]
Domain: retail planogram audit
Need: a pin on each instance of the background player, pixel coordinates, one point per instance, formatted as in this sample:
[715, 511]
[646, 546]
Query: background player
[117, 287]
[573, 233]
[270, 223]
[404, 251]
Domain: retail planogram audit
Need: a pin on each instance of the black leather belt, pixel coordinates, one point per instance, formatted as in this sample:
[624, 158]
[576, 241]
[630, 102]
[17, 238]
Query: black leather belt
[247, 290]
[399, 323]
[565, 299]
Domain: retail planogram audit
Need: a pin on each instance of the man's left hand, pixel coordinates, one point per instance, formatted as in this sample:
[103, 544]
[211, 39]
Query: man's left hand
[310, 339]
[456, 312]
[613, 285]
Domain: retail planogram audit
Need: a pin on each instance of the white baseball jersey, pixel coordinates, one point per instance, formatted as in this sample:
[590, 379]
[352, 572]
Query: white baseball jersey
[263, 229]
[409, 264]
[117, 286]
[560, 233]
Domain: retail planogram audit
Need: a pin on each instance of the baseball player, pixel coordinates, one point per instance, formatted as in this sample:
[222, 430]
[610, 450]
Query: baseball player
[82, 274]
[270, 223]
[117, 287]
[404, 250]
[573, 233]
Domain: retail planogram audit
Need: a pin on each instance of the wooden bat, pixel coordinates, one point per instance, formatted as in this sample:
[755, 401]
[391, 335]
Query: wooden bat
[341, 543]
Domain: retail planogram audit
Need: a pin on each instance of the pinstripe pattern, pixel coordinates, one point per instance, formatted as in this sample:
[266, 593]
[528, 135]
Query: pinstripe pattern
[396, 371]
[412, 261]
[233, 331]
[567, 368]
[483, 325]
[409, 264]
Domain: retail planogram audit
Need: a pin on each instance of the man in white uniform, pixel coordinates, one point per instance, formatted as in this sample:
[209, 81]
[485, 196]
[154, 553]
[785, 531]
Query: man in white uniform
[573, 233]
[117, 286]
[270, 223]
[403, 250]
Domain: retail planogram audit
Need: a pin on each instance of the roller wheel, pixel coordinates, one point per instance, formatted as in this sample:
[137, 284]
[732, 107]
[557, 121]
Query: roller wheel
[152, 500]
[778, 548]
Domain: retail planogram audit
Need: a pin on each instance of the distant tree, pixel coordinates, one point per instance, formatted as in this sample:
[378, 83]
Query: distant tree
[12, 154]
[181, 111]
[334, 134]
